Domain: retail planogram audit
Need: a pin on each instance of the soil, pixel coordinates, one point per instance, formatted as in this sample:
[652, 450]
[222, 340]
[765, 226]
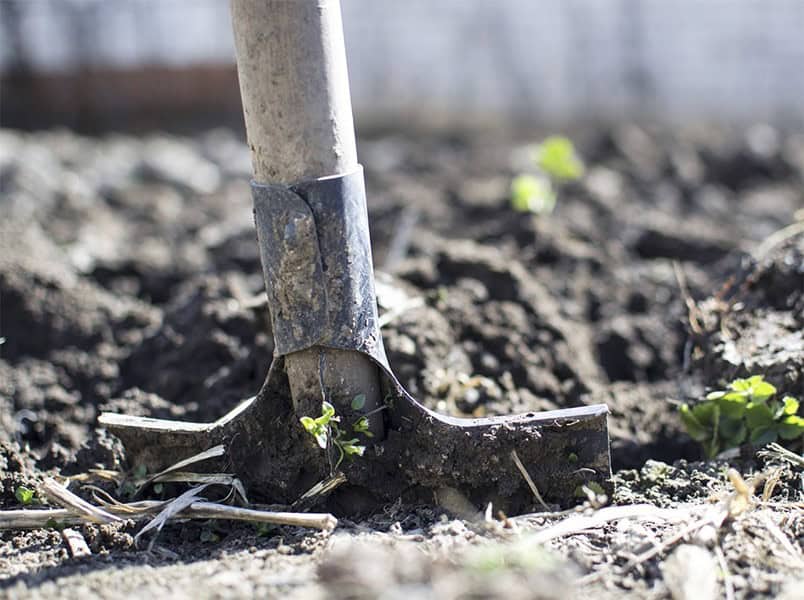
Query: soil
[130, 282]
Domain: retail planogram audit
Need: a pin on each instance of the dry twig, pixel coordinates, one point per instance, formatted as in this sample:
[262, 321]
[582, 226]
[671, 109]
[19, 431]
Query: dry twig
[213, 452]
[529, 480]
[144, 509]
[171, 509]
[61, 495]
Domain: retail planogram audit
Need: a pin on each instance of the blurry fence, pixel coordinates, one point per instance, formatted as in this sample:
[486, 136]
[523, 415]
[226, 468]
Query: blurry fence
[441, 62]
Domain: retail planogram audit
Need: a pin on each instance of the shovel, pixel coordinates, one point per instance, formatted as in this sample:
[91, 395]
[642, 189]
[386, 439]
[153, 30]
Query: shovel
[376, 444]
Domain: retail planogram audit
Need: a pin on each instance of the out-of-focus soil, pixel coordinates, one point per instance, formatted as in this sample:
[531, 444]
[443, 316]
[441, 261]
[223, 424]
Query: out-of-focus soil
[130, 281]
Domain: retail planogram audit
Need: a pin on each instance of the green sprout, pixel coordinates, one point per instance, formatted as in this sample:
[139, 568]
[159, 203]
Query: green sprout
[533, 194]
[557, 161]
[556, 156]
[320, 427]
[362, 426]
[24, 495]
[747, 410]
[326, 430]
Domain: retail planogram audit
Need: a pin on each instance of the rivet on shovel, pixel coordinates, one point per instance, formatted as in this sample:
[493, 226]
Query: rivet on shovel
[312, 229]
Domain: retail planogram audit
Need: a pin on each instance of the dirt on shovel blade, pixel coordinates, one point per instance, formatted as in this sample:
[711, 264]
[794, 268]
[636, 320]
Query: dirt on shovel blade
[130, 282]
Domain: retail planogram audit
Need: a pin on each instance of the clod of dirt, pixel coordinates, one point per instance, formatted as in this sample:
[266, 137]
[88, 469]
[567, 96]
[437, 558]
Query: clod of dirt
[209, 353]
[758, 323]
[16, 469]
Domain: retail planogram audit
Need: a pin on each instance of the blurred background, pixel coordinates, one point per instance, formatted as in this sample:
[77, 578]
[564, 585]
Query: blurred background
[133, 64]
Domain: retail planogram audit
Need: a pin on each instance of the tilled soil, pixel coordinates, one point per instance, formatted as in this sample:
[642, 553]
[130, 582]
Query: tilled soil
[130, 281]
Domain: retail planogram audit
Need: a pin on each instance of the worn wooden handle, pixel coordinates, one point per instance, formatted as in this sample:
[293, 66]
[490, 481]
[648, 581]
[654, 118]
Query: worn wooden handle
[291, 62]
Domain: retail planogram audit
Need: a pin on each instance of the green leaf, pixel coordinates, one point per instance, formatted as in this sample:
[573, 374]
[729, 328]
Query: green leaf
[758, 416]
[350, 449]
[740, 385]
[532, 194]
[362, 426]
[706, 413]
[764, 435]
[308, 424]
[24, 495]
[321, 438]
[732, 431]
[715, 395]
[556, 156]
[732, 407]
[327, 414]
[762, 390]
[694, 427]
[358, 402]
[791, 428]
[789, 405]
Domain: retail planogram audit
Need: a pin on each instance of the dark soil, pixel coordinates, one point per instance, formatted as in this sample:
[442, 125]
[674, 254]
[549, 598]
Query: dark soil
[130, 282]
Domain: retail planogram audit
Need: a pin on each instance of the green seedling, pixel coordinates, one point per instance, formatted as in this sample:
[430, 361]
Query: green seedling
[326, 431]
[533, 194]
[556, 156]
[556, 161]
[746, 411]
[362, 426]
[24, 495]
[320, 427]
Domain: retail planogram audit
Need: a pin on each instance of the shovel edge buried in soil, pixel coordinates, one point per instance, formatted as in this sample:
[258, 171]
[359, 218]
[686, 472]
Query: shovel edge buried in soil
[422, 452]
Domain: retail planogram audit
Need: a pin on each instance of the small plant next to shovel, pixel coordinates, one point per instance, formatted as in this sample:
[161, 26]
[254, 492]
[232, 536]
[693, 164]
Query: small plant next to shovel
[747, 410]
[325, 430]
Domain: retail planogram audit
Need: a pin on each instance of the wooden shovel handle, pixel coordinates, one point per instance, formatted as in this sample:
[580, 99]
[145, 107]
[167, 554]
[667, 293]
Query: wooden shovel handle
[291, 62]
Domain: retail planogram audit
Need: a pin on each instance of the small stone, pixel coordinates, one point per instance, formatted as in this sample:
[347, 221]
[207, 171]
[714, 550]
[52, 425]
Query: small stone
[691, 573]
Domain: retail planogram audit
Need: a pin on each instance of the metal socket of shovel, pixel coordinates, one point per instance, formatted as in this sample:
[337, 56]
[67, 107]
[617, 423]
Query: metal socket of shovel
[312, 230]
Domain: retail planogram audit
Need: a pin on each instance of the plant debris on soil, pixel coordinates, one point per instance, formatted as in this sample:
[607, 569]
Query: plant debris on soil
[130, 282]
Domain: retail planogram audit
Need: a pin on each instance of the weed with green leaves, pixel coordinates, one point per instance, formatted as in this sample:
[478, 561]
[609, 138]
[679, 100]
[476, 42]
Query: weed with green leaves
[556, 161]
[746, 411]
[326, 430]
